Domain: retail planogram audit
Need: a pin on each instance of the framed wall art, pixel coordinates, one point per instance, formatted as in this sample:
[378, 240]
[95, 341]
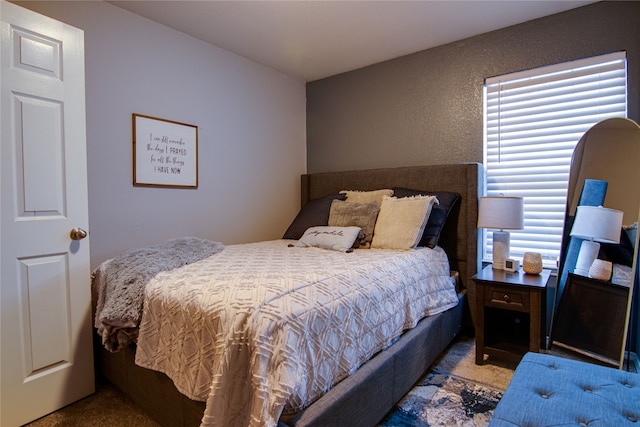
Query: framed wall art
[165, 153]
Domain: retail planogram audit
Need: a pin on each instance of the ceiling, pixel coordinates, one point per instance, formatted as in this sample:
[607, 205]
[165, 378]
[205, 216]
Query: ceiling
[310, 40]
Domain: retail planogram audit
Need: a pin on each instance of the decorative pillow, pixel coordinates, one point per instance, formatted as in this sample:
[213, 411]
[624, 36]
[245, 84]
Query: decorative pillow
[632, 232]
[366, 196]
[334, 238]
[314, 212]
[618, 253]
[363, 215]
[401, 222]
[447, 200]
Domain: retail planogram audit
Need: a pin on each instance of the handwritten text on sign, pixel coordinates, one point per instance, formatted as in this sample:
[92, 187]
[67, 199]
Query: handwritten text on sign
[166, 152]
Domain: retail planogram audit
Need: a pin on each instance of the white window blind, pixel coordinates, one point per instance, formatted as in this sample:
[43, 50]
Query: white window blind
[532, 122]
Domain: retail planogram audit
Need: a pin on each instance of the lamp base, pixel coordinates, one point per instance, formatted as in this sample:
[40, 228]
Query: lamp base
[501, 241]
[588, 253]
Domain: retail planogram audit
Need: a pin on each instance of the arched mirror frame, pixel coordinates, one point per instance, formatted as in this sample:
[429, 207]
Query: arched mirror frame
[609, 151]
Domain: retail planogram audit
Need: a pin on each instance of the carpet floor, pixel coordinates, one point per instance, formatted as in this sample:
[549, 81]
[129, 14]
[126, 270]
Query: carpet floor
[455, 392]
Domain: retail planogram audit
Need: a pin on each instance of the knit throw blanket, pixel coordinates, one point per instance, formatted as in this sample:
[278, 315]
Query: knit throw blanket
[118, 284]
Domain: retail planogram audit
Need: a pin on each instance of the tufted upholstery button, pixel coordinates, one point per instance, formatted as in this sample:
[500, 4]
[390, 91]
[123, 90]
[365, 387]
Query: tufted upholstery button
[544, 395]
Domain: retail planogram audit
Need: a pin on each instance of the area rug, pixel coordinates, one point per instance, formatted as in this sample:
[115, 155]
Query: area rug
[440, 399]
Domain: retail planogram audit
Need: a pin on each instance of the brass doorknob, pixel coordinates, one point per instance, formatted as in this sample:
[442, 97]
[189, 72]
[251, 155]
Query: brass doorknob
[78, 233]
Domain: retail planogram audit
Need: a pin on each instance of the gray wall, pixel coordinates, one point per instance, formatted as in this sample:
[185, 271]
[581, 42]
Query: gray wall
[426, 108]
[251, 124]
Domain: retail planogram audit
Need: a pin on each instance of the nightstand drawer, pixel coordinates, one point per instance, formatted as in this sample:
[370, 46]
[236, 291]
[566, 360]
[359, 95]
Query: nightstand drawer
[509, 299]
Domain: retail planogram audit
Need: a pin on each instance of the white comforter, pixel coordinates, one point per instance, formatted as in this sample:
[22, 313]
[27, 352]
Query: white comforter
[263, 328]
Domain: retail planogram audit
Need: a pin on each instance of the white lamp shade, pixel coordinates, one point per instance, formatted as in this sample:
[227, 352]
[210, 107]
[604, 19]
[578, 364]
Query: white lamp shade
[594, 224]
[501, 212]
[598, 224]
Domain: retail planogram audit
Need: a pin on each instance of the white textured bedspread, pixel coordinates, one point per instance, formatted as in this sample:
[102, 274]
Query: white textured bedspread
[263, 328]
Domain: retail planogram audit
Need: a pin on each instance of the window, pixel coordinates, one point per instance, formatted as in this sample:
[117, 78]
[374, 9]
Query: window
[532, 122]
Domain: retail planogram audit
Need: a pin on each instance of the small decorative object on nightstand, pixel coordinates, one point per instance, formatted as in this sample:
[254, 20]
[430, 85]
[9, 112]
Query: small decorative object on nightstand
[532, 263]
[510, 316]
[601, 270]
[511, 265]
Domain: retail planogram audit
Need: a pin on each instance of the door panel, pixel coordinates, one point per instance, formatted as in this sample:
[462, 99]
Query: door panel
[46, 357]
[36, 53]
[45, 312]
[40, 143]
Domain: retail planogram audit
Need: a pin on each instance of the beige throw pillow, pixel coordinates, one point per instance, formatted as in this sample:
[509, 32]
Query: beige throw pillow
[401, 222]
[366, 196]
[363, 215]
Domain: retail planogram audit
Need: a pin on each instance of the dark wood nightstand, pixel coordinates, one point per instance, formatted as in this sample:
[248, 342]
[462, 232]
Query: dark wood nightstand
[591, 318]
[511, 307]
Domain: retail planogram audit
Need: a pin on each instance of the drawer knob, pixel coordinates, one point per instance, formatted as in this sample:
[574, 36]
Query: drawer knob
[506, 297]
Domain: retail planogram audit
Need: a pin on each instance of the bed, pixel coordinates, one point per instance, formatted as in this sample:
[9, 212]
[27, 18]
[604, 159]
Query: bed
[361, 397]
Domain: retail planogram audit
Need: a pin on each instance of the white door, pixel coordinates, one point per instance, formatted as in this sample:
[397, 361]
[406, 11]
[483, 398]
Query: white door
[46, 357]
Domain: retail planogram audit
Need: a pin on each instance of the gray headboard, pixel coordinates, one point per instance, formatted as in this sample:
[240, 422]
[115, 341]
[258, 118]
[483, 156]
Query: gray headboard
[463, 178]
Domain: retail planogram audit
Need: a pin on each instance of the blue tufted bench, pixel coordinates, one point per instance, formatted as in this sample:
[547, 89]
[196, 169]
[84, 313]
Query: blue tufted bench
[551, 391]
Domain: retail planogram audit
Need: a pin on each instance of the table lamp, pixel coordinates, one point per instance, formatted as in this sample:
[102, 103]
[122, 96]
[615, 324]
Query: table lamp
[501, 213]
[594, 224]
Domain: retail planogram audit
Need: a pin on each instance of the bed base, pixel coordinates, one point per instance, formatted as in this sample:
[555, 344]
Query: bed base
[365, 397]
[361, 399]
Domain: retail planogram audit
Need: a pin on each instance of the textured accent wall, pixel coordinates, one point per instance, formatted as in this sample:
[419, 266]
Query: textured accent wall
[426, 108]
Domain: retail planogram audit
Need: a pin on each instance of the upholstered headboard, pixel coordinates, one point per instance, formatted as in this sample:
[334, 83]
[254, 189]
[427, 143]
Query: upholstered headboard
[461, 242]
